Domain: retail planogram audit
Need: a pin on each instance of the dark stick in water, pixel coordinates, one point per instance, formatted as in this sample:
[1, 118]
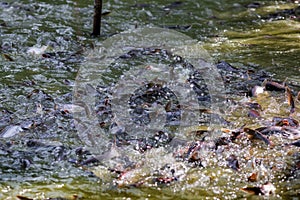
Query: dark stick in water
[97, 17]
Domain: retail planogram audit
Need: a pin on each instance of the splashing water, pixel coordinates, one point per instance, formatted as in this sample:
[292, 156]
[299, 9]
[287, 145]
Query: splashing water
[142, 89]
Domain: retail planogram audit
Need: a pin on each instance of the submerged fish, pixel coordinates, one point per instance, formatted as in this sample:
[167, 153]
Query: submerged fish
[37, 50]
[10, 131]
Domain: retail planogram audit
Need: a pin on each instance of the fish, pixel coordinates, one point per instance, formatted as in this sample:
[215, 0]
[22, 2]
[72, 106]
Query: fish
[71, 108]
[10, 131]
[290, 99]
[286, 121]
[173, 5]
[179, 27]
[252, 190]
[292, 133]
[235, 134]
[254, 5]
[274, 86]
[233, 162]
[266, 189]
[297, 143]
[142, 5]
[256, 90]
[254, 134]
[8, 57]
[253, 177]
[23, 197]
[222, 141]
[37, 50]
[164, 180]
[168, 106]
[105, 13]
[253, 105]
[253, 113]
[226, 67]
[270, 130]
[29, 125]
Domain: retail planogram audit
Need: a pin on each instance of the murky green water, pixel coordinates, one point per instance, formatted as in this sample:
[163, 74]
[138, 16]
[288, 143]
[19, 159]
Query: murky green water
[43, 159]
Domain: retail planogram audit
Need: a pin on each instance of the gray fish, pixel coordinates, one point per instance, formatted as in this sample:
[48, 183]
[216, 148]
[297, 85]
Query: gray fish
[10, 131]
[293, 133]
[297, 143]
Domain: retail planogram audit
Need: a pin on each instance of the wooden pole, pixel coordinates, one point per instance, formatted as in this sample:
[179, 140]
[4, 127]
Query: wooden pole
[97, 17]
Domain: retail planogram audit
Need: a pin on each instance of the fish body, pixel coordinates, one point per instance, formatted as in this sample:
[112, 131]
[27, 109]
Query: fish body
[11, 131]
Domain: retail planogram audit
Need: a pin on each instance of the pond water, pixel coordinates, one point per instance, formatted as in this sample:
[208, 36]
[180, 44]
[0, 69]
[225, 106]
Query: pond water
[44, 48]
